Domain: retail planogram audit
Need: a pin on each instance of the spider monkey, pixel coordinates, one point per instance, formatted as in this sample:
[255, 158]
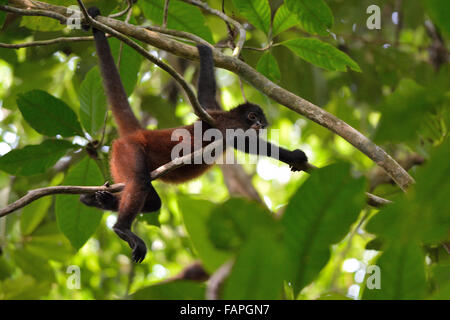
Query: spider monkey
[138, 151]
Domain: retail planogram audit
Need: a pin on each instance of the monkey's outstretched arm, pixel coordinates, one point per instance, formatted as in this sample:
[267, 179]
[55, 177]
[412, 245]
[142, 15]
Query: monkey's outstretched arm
[296, 159]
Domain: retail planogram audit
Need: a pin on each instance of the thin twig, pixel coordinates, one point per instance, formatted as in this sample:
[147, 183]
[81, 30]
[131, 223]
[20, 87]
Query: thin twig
[224, 17]
[32, 12]
[124, 11]
[217, 279]
[166, 12]
[45, 42]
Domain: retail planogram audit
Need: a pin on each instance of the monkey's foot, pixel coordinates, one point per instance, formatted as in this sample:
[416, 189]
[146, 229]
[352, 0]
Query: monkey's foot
[139, 248]
[107, 200]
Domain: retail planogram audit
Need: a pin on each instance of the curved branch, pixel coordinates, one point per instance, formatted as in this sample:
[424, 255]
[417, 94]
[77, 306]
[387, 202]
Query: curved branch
[124, 11]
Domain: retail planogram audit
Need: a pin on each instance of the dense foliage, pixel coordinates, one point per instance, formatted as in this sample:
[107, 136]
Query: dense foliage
[312, 236]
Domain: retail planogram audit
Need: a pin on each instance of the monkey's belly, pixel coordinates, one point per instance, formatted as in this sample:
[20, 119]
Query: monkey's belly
[185, 173]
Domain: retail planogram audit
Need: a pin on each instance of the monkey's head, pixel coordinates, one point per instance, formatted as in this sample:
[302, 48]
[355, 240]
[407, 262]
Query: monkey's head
[250, 116]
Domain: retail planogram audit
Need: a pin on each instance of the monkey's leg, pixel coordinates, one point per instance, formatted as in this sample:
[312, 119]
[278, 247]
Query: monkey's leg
[152, 203]
[130, 161]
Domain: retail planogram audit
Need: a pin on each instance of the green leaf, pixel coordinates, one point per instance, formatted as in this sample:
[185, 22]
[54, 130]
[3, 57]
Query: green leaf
[314, 16]
[37, 23]
[176, 290]
[92, 102]
[233, 222]
[402, 273]
[24, 287]
[255, 11]
[259, 270]
[181, 16]
[196, 214]
[268, 66]
[34, 159]
[422, 214]
[75, 220]
[33, 264]
[320, 214]
[33, 214]
[283, 20]
[48, 115]
[130, 64]
[48, 243]
[2, 13]
[403, 113]
[439, 11]
[321, 54]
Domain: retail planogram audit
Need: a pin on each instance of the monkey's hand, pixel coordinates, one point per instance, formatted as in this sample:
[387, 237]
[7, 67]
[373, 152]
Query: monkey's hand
[298, 161]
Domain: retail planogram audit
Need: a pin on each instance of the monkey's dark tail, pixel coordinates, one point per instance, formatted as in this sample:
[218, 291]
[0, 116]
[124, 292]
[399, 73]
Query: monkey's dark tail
[114, 89]
[206, 80]
[93, 12]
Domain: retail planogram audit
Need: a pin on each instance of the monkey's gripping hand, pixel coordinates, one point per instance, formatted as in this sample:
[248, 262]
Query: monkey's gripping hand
[298, 161]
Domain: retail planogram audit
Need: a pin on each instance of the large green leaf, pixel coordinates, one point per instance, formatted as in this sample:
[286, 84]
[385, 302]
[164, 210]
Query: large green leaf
[259, 270]
[283, 20]
[181, 16]
[34, 159]
[234, 222]
[75, 220]
[196, 214]
[321, 54]
[268, 66]
[314, 16]
[319, 214]
[130, 63]
[422, 214]
[23, 288]
[48, 115]
[255, 11]
[177, 290]
[2, 13]
[402, 273]
[33, 214]
[404, 112]
[92, 102]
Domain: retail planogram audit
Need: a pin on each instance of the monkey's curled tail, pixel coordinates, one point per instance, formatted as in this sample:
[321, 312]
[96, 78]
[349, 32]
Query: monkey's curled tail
[114, 89]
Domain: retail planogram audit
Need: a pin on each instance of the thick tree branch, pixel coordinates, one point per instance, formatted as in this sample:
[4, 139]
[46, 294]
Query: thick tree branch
[261, 83]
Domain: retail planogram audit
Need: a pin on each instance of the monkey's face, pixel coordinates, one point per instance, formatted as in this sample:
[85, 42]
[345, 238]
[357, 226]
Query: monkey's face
[252, 116]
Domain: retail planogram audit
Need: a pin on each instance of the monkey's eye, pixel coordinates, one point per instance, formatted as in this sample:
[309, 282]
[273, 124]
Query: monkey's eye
[252, 116]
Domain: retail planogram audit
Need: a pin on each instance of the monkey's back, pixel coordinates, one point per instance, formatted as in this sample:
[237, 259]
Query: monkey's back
[157, 146]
